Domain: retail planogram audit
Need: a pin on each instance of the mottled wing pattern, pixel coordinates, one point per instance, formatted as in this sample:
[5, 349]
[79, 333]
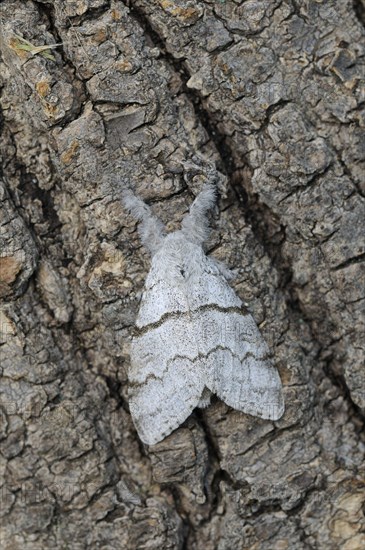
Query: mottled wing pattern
[167, 374]
[240, 370]
[191, 337]
[166, 378]
[237, 362]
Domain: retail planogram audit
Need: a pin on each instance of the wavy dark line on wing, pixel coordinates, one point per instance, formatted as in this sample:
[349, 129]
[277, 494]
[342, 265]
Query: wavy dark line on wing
[139, 331]
[200, 356]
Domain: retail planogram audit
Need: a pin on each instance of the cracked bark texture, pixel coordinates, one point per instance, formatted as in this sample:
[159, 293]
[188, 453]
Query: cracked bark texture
[270, 96]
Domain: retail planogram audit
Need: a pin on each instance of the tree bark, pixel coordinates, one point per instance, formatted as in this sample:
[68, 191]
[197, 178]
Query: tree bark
[268, 94]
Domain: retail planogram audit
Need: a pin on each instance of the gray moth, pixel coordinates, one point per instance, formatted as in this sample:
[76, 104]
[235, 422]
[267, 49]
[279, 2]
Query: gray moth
[193, 337]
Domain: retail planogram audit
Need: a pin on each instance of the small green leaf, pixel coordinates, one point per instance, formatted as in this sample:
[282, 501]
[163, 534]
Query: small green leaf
[22, 44]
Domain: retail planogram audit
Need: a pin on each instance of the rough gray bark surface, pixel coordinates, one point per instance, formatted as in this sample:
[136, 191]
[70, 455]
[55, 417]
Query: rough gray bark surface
[271, 95]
